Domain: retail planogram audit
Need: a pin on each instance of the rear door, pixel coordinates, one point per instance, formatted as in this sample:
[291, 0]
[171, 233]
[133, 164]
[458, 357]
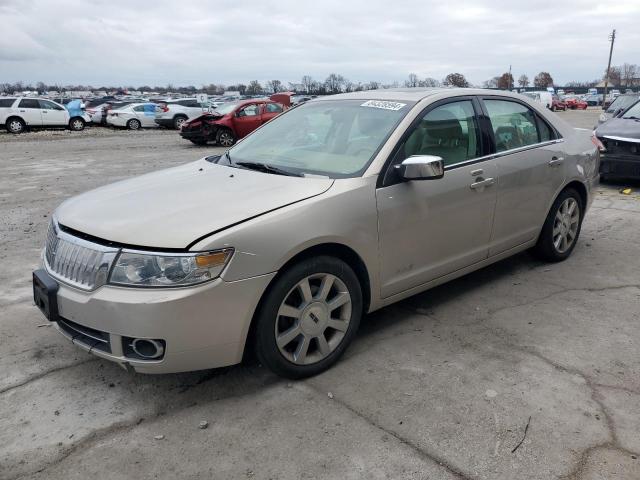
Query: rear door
[529, 160]
[52, 114]
[247, 119]
[29, 110]
[271, 110]
[429, 228]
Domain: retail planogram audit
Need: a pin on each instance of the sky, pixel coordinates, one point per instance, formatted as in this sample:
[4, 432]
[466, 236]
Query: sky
[196, 42]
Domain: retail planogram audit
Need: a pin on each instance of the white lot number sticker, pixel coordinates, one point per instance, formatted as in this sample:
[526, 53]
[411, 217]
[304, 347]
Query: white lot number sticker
[383, 105]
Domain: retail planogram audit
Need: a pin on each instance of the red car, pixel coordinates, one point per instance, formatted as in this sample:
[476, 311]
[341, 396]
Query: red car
[557, 104]
[232, 121]
[575, 103]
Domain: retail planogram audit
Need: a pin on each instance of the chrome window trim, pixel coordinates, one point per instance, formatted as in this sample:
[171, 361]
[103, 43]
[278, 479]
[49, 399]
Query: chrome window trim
[504, 153]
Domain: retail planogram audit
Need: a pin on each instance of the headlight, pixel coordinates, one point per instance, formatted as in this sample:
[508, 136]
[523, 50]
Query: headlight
[141, 269]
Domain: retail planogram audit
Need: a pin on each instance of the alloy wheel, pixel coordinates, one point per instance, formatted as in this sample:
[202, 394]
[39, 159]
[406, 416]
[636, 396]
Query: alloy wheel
[77, 125]
[226, 139]
[565, 225]
[313, 319]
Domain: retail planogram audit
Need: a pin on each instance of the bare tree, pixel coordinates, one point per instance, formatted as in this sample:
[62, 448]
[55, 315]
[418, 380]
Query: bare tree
[429, 82]
[334, 83]
[543, 80]
[455, 80]
[412, 81]
[274, 86]
[307, 83]
[372, 85]
[523, 80]
[615, 76]
[629, 72]
[254, 88]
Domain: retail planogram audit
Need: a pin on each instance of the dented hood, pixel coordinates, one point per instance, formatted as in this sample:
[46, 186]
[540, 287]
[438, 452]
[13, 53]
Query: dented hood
[624, 129]
[172, 208]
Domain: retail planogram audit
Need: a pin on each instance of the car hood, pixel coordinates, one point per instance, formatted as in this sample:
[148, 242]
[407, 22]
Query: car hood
[624, 129]
[172, 208]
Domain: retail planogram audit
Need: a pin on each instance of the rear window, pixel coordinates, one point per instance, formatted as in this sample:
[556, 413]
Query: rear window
[6, 102]
[29, 103]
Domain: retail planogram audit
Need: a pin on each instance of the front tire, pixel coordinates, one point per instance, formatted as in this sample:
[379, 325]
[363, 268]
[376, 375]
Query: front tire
[76, 124]
[308, 317]
[225, 138]
[561, 228]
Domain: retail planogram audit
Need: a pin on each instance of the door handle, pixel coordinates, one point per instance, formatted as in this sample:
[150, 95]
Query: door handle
[556, 161]
[481, 183]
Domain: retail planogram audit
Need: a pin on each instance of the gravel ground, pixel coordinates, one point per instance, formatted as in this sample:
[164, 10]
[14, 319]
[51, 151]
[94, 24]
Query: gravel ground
[439, 386]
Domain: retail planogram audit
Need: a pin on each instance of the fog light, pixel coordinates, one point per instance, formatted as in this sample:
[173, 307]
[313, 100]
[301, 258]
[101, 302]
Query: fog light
[146, 348]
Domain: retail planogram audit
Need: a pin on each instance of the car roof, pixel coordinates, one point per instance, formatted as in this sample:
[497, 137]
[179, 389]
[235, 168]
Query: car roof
[416, 94]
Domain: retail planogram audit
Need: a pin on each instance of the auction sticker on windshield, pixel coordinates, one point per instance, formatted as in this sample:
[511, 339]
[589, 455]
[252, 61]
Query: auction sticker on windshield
[384, 105]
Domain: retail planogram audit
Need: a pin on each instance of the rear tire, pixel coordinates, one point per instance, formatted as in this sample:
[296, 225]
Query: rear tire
[15, 125]
[178, 120]
[77, 124]
[561, 228]
[308, 317]
[134, 124]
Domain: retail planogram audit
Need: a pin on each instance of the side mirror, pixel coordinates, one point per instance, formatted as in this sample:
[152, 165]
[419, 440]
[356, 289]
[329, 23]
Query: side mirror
[421, 167]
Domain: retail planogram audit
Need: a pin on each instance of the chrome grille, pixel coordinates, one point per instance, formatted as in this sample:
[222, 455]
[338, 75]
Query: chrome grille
[76, 261]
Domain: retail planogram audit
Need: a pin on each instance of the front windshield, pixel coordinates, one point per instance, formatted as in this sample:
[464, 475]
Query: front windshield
[633, 112]
[335, 138]
[622, 102]
[226, 108]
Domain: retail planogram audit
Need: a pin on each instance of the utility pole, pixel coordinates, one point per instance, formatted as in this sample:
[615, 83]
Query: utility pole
[612, 39]
[510, 79]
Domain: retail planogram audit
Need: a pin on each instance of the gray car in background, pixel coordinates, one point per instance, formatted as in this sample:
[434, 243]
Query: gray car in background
[334, 209]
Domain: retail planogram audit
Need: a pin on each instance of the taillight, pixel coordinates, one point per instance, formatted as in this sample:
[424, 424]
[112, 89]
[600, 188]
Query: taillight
[596, 141]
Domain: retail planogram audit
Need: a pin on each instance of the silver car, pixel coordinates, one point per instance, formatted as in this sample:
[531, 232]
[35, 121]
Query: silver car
[334, 209]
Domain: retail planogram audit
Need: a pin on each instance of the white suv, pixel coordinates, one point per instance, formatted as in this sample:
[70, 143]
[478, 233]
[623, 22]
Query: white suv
[173, 113]
[19, 113]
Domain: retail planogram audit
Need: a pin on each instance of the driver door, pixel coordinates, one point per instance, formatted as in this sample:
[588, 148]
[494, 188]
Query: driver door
[52, 114]
[247, 119]
[430, 228]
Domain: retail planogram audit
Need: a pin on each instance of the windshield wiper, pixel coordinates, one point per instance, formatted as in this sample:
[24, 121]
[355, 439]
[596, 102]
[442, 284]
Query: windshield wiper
[632, 117]
[265, 167]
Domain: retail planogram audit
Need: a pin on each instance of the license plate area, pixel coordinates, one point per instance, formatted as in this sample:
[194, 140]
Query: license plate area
[45, 294]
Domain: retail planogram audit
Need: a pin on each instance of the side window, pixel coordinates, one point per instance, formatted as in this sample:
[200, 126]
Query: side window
[138, 108]
[546, 134]
[189, 103]
[29, 103]
[249, 111]
[6, 102]
[514, 125]
[273, 108]
[46, 105]
[449, 131]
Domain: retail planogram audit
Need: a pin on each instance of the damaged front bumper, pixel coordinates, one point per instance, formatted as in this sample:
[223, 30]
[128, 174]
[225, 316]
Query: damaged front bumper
[621, 157]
